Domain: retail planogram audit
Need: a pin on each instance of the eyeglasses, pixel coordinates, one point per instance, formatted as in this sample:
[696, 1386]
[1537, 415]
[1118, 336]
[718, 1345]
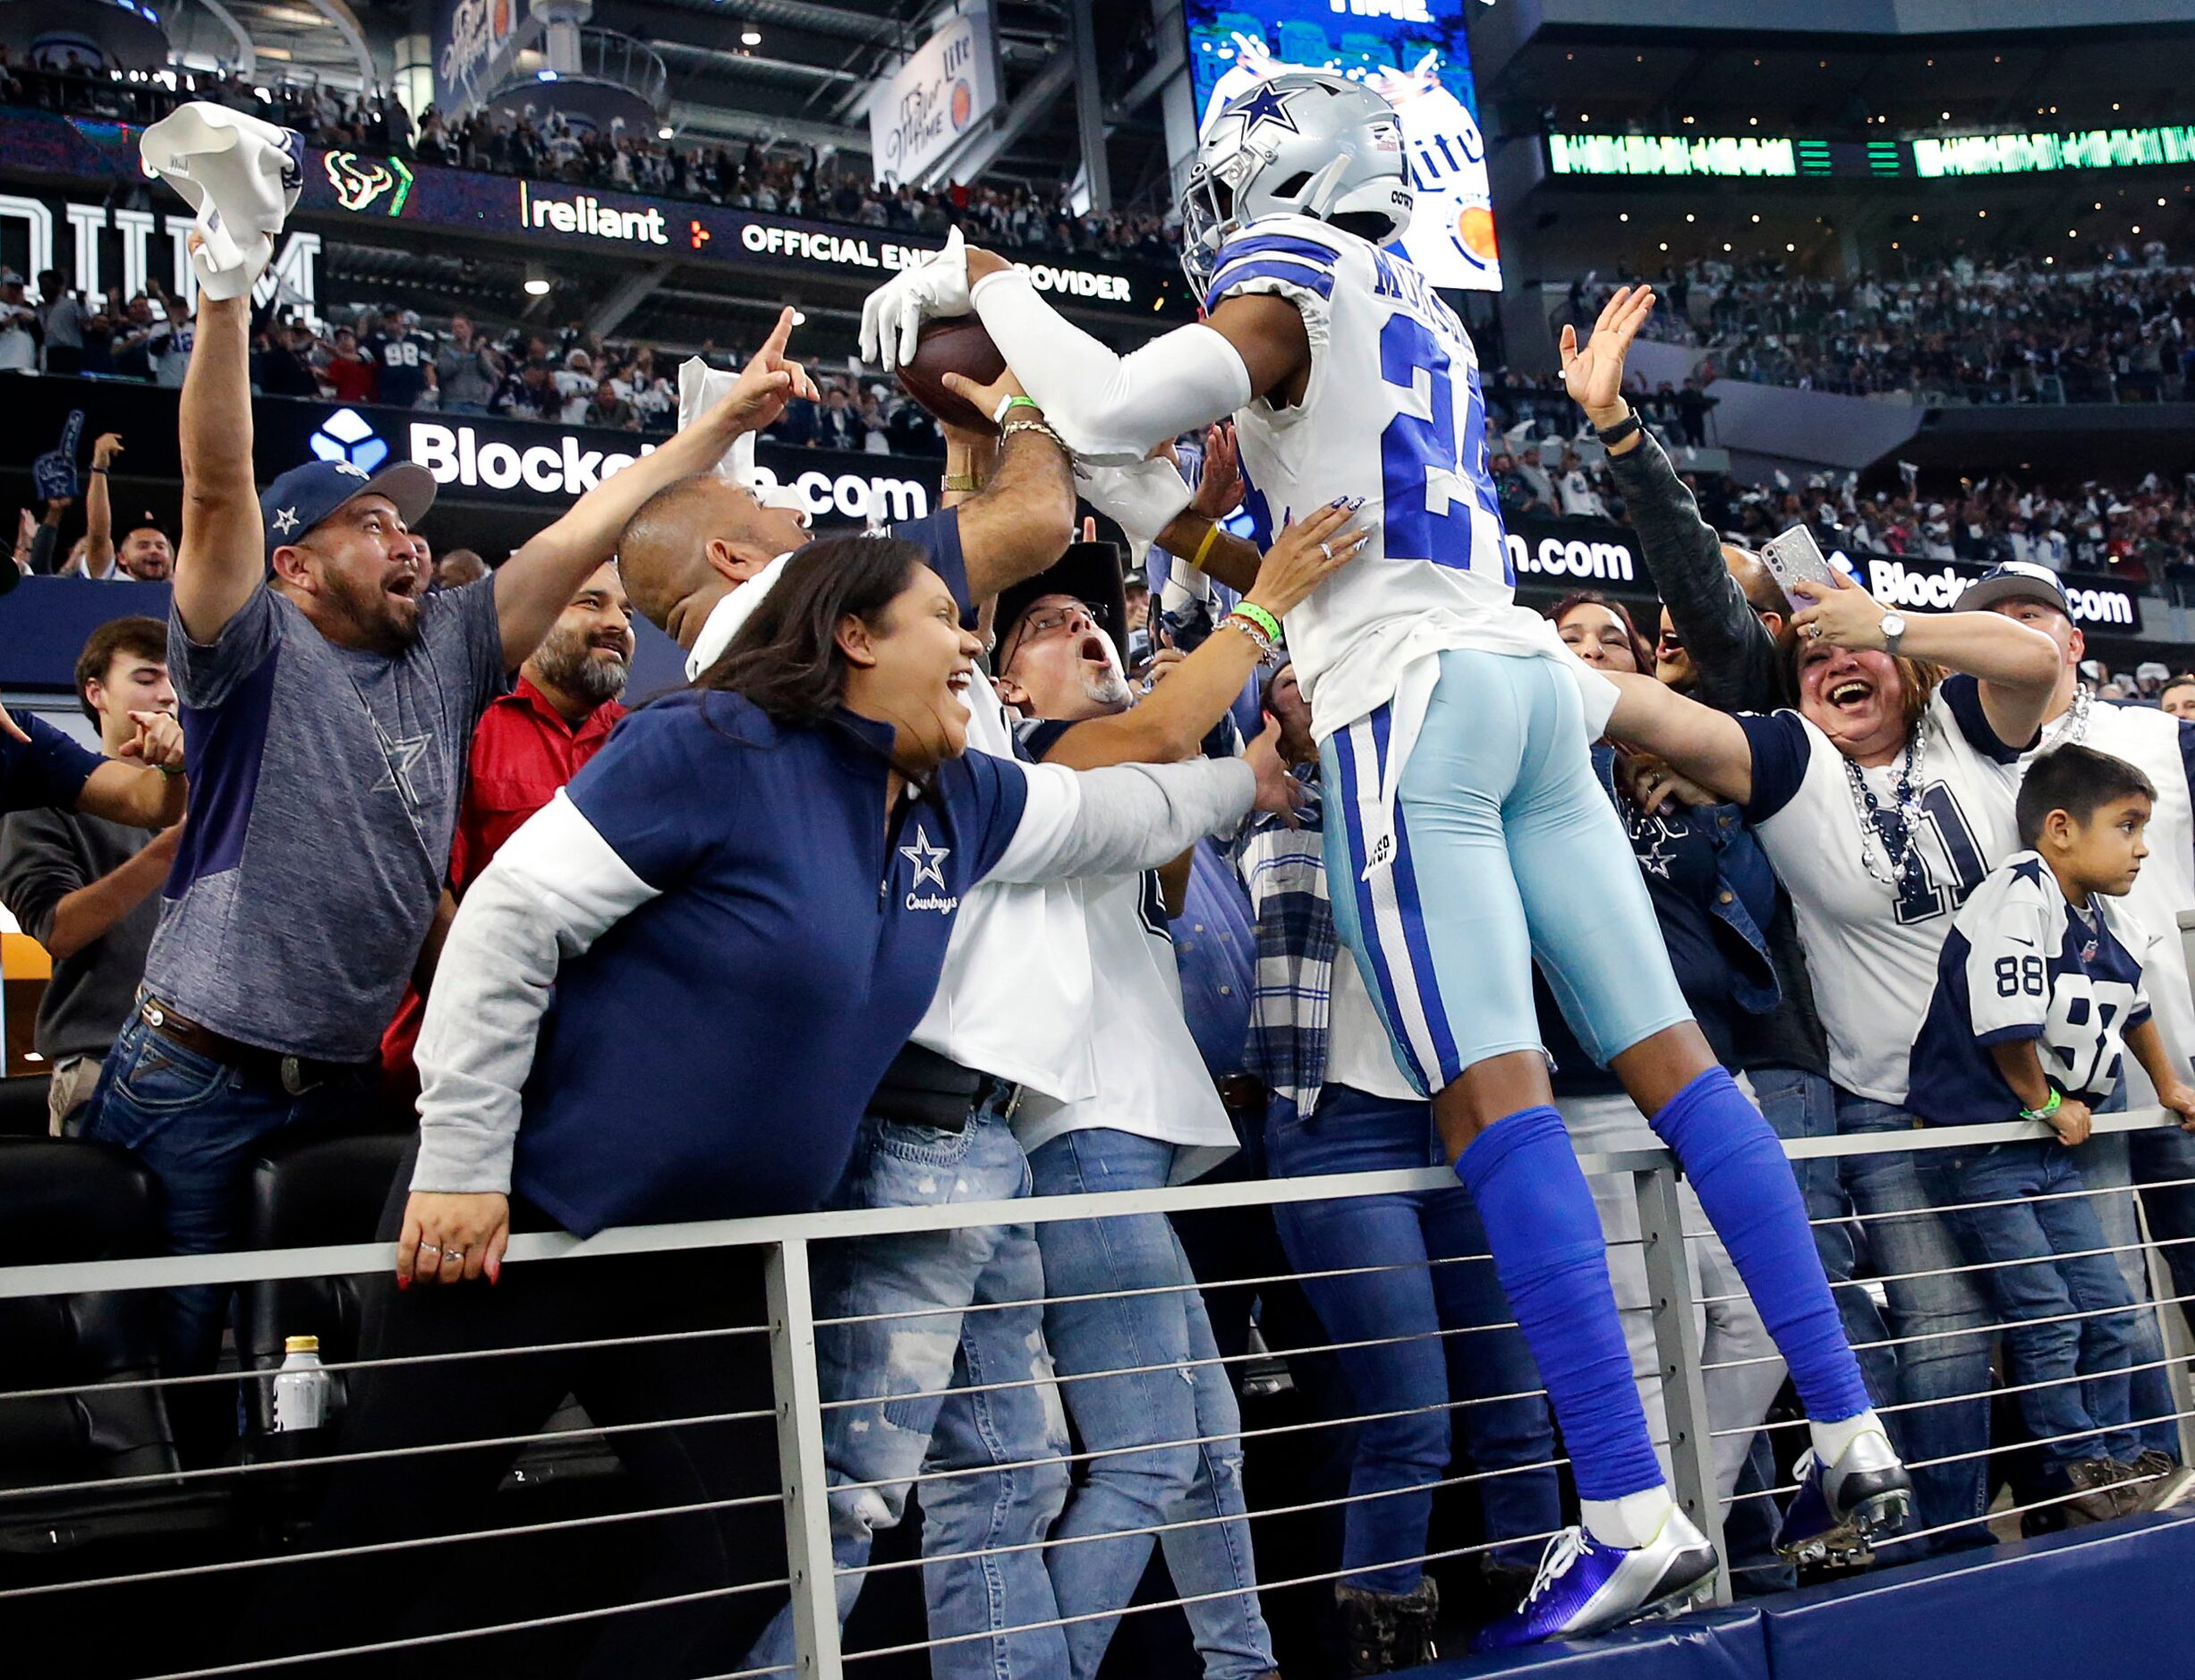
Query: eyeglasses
[1038, 626]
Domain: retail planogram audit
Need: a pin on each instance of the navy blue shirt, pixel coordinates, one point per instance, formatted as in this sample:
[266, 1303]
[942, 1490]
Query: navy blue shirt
[48, 769]
[711, 1055]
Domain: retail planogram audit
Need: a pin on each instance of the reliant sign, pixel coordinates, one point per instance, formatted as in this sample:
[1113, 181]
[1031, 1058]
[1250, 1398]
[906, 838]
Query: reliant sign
[586, 214]
[920, 113]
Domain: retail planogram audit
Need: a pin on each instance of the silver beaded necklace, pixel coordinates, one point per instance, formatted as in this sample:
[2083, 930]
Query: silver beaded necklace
[1866, 810]
[2074, 725]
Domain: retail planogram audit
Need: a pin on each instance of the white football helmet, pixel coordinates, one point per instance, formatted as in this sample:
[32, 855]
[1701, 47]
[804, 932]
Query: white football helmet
[1304, 143]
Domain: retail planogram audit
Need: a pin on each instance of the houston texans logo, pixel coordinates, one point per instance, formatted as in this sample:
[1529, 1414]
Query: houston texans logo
[360, 183]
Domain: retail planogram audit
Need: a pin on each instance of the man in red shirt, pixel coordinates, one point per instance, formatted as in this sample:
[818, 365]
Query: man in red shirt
[529, 743]
[349, 375]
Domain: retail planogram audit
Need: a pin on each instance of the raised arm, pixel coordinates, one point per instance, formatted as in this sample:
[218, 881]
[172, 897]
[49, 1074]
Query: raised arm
[1123, 818]
[533, 586]
[99, 509]
[1110, 408]
[1023, 518]
[1700, 744]
[1176, 716]
[1739, 664]
[223, 555]
[2017, 666]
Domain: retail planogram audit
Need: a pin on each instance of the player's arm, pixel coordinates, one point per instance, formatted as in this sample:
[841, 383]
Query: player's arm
[222, 556]
[1701, 744]
[2017, 666]
[533, 586]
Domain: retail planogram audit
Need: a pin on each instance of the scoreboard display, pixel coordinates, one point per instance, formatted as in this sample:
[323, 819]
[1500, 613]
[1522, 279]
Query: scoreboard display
[1755, 157]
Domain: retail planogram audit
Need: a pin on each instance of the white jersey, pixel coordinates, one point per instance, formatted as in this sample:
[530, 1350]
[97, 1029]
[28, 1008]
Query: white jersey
[2159, 745]
[1151, 1079]
[1393, 413]
[1872, 947]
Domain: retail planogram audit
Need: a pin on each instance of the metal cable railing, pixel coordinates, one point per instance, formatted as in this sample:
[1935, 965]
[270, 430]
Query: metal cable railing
[1667, 1326]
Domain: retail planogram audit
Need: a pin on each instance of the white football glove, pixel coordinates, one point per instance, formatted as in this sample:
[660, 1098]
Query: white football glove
[892, 316]
[1143, 498]
[242, 177]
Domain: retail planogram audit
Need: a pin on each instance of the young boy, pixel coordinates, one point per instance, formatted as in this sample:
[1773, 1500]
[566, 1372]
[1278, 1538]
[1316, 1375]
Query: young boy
[2038, 991]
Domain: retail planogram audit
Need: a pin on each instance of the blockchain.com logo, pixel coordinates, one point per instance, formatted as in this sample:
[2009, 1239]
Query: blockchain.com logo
[347, 439]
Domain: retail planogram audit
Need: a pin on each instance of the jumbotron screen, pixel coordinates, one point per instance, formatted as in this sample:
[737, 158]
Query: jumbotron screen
[1415, 53]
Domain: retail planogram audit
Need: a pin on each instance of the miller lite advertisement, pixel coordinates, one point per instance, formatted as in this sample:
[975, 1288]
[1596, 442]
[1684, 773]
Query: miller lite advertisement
[1415, 54]
[926, 108]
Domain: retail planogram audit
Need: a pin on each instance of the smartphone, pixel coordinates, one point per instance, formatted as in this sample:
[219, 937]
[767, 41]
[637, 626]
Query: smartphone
[1794, 557]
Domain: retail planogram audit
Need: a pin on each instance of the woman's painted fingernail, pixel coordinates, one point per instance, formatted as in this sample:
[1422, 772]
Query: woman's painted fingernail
[1358, 502]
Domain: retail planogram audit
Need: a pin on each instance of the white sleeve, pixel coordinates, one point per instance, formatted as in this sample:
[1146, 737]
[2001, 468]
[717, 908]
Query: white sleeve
[2007, 968]
[551, 892]
[1124, 817]
[1109, 407]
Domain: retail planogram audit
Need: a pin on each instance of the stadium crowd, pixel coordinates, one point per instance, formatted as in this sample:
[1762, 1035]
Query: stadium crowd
[781, 179]
[436, 881]
[2113, 324]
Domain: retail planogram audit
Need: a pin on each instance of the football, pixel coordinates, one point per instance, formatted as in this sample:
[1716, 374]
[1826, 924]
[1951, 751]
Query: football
[959, 345]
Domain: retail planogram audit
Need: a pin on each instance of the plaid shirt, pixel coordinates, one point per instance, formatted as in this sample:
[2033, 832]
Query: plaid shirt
[1285, 870]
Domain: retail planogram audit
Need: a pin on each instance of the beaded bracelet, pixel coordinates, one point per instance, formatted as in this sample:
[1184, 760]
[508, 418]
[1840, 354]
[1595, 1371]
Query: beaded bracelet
[1267, 654]
[1043, 430]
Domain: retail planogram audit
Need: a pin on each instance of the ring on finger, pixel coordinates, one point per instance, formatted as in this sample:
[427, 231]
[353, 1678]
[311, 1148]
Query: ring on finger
[1814, 633]
[1327, 549]
[430, 1248]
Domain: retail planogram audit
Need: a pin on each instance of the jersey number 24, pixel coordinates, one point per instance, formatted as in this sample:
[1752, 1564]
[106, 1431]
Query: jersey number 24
[1415, 448]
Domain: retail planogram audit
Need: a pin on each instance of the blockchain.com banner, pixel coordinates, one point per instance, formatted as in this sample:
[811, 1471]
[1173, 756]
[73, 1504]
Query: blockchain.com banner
[1412, 52]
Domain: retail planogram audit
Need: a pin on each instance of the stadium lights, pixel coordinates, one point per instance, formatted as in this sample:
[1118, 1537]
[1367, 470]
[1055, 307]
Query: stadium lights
[537, 281]
[665, 133]
[544, 75]
[1625, 215]
[749, 37]
[1665, 245]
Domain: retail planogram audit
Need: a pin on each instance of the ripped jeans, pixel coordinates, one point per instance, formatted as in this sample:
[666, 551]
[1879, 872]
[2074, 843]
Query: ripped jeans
[923, 1375]
[1162, 1434]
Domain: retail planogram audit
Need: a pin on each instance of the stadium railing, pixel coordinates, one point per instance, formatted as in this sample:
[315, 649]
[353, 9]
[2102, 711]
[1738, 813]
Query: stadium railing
[1672, 1306]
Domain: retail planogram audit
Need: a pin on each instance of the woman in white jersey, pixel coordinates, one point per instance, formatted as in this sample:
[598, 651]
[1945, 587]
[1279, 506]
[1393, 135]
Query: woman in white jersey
[1882, 801]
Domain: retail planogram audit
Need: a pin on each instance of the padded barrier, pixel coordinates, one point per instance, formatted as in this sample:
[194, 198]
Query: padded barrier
[1715, 1645]
[2091, 1601]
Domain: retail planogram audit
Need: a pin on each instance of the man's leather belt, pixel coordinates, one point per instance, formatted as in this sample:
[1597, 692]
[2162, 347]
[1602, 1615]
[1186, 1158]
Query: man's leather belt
[296, 1075]
[923, 1089]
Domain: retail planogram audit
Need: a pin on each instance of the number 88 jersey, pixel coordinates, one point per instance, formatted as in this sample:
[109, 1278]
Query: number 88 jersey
[1393, 412]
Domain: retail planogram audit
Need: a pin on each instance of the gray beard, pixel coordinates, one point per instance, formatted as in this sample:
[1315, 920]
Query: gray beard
[1110, 691]
[568, 664]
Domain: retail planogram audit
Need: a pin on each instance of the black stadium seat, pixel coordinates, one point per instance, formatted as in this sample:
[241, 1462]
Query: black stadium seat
[22, 1106]
[62, 1202]
[307, 1190]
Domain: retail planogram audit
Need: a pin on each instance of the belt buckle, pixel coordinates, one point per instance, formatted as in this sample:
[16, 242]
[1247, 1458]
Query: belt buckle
[152, 1015]
[293, 1080]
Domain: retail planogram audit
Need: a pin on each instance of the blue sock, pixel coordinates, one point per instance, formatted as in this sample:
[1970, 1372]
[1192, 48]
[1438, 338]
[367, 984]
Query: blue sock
[1549, 1256]
[1746, 1186]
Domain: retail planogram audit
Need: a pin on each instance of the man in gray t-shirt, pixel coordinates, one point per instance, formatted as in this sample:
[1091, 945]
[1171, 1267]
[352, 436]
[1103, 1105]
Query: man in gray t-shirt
[328, 702]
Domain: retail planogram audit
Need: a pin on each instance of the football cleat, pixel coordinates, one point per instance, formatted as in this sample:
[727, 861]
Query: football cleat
[1840, 1512]
[1584, 1587]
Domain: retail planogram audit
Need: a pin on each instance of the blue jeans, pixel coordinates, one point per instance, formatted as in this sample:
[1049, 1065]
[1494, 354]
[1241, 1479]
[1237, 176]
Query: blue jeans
[2105, 1164]
[1943, 1367]
[1353, 1131]
[900, 1368]
[195, 1124]
[1124, 1300]
[2159, 1157]
[1798, 1103]
[2081, 1412]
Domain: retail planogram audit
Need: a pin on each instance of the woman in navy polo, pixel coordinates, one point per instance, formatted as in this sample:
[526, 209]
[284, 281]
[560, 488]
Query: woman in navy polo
[668, 999]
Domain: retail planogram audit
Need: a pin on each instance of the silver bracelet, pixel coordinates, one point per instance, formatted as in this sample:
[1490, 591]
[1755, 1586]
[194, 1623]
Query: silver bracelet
[1043, 427]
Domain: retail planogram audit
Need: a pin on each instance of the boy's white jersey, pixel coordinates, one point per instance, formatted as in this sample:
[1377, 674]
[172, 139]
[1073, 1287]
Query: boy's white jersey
[1393, 412]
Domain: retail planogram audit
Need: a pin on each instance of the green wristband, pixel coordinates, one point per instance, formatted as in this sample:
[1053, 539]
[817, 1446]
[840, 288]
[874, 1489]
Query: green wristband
[1013, 403]
[1259, 616]
[2046, 1110]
